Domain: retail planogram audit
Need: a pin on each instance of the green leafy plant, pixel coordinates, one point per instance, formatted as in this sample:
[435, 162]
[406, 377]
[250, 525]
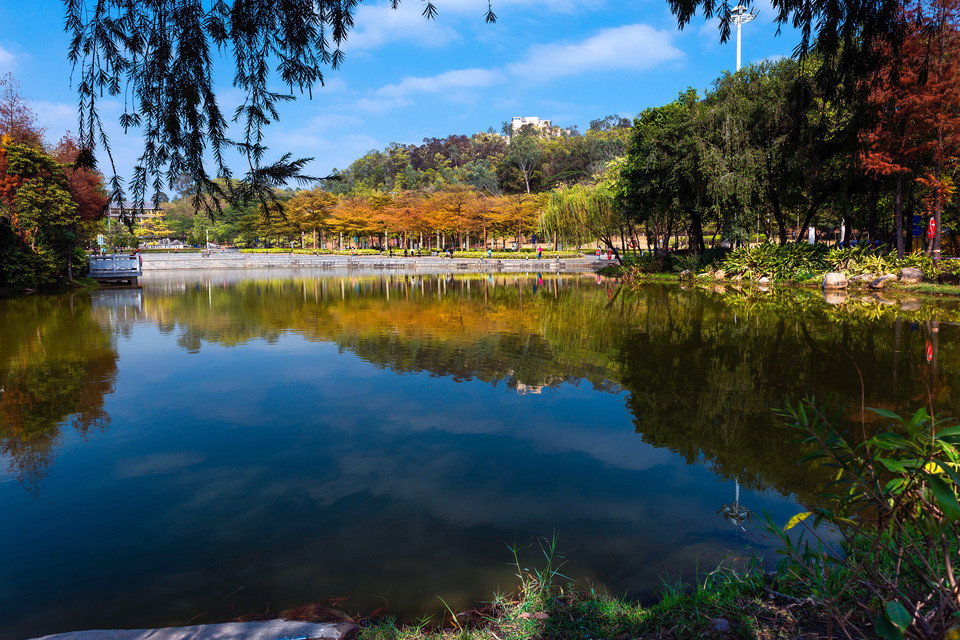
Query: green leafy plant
[646, 263]
[794, 261]
[859, 259]
[948, 272]
[896, 516]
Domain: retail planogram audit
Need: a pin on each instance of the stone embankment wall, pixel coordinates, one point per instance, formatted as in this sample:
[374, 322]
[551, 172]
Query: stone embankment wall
[174, 261]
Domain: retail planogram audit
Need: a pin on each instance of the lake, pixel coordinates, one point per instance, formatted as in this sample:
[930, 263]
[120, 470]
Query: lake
[227, 444]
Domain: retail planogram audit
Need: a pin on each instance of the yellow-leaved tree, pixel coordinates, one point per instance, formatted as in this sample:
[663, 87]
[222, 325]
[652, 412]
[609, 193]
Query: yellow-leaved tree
[311, 209]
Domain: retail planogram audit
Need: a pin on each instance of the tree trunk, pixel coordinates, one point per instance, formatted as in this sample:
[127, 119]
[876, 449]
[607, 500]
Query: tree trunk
[937, 207]
[70, 261]
[778, 215]
[696, 233]
[908, 217]
[898, 214]
[811, 211]
[872, 206]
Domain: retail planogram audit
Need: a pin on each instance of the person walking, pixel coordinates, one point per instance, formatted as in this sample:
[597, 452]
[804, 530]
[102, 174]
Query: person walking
[539, 251]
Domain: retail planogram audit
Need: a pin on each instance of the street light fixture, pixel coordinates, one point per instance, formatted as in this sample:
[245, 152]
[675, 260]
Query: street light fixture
[740, 15]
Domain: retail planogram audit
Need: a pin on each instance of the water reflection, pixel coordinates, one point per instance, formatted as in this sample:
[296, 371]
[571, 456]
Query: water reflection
[307, 436]
[57, 362]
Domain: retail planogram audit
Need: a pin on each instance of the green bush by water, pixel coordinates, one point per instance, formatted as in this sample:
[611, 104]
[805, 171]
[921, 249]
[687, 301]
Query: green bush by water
[894, 505]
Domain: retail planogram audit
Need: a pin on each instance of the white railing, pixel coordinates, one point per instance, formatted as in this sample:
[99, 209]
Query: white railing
[115, 265]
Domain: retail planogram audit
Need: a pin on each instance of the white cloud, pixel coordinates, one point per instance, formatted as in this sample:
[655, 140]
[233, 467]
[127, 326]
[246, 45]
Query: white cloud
[379, 25]
[332, 84]
[382, 104]
[56, 117]
[634, 47]
[448, 81]
[7, 60]
[709, 33]
[327, 122]
[631, 47]
[328, 151]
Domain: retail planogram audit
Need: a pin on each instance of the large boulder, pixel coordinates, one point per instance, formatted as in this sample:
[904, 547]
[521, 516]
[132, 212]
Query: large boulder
[686, 274]
[882, 281]
[834, 280]
[911, 275]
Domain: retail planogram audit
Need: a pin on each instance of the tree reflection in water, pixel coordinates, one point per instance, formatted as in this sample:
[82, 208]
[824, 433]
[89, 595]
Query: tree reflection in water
[57, 362]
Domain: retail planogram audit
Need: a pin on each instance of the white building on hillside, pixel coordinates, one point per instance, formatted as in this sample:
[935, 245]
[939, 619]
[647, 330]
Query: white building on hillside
[545, 128]
[518, 123]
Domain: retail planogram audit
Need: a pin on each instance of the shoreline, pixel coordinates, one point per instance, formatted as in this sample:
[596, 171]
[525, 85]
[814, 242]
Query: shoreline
[216, 261]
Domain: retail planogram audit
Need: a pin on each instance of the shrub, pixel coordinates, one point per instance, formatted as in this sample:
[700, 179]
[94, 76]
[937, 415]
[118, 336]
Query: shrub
[861, 259]
[947, 273]
[794, 261]
[645, 263]
[894, 506]
[684, 261]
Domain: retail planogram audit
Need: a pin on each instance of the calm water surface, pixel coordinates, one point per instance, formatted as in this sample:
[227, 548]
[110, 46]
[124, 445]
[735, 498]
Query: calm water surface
[226, 444]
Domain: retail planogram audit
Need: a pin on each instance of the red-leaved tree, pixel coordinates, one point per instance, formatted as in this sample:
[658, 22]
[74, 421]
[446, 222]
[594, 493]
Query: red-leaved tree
[917, 112]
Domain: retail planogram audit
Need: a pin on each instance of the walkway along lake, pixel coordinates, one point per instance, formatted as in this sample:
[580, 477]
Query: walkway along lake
[219, 444]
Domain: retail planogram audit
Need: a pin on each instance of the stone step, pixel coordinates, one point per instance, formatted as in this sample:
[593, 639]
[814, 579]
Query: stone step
[267, 630]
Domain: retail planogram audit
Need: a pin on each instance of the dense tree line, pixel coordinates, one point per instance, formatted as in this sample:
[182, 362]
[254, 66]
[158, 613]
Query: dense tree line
[764, 153]
[49, 206]
[770, 151]
[529, 161]
[478, 191]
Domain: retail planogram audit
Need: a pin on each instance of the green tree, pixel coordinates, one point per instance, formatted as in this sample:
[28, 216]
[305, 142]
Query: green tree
[586, 212]
[662, 183]
[37, 213]
[524, 152]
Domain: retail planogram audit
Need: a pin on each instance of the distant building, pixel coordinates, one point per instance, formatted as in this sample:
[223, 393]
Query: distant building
[518, 123]
[149, 212]
[545, 127]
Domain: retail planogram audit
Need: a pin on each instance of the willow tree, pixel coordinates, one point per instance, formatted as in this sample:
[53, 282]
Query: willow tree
[585, 212]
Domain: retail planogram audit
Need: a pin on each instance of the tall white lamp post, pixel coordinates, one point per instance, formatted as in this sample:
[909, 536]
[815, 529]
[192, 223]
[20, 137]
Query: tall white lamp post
[740, 16]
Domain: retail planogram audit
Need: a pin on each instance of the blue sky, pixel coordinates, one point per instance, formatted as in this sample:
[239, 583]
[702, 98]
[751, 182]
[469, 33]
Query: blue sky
[406, 78]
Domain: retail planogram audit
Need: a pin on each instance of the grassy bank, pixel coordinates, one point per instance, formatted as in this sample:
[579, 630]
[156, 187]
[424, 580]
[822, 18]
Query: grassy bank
[722, 604]
[796, 264]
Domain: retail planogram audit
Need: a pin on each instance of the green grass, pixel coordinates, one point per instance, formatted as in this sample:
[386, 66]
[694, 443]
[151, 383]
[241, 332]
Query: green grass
[930, 287]
[547, 605]
[565, 611]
